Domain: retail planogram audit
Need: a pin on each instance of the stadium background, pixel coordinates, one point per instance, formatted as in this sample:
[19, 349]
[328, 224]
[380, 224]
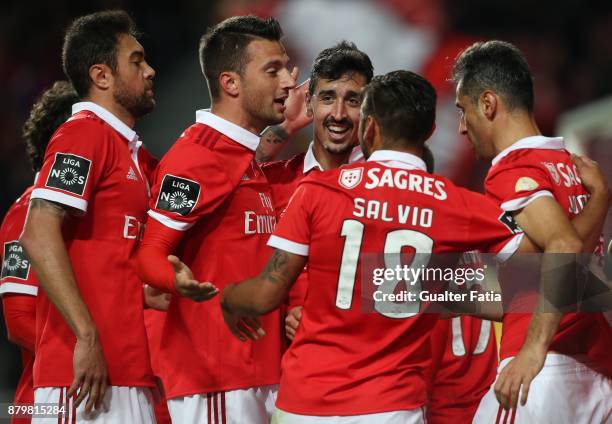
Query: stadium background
[567, 44]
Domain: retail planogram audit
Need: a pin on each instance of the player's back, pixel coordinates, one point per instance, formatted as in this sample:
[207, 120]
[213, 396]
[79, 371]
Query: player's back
[360, 355]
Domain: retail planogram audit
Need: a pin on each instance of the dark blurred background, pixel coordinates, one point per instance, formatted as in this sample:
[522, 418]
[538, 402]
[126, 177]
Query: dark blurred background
[568, 45]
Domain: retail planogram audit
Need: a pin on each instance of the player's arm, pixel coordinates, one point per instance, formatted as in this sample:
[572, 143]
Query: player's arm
[43, 241]
[263, 293]
[589, 223]
[159, 268]
[274, 137]
[20, 318]
[545, 223]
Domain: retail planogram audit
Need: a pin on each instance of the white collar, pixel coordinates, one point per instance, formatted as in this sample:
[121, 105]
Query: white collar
[227, 128]
[110, 119]
[310, 162]
[396, 159]
[533, 142]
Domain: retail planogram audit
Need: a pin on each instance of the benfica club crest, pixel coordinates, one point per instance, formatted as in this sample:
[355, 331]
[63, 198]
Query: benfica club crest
[553, 172]
[349, 178]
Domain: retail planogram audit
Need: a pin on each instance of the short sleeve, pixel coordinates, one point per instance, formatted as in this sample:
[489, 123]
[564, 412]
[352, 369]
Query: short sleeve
[16, 275]
[292, 233]
[192, 181]
[74, 164]
[490, 229]
[515, 187]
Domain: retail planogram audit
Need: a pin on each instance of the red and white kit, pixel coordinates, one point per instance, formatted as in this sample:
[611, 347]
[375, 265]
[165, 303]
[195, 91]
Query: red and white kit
[466, 369]
[356, 362]
[284, 177]
[93, 166]
[574, 385]
[18, 288]
[213, 202]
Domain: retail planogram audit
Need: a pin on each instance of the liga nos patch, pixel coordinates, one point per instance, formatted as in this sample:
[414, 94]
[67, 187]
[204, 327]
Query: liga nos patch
[177, 195]
[15, 263]
[69, 173]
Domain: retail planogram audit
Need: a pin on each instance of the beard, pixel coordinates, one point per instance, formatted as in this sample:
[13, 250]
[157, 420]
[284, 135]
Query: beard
[260, 111]
[137, 105]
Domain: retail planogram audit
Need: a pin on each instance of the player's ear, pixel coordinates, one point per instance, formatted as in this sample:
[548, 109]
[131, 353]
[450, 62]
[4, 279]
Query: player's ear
[370, 131]
[309, 100]
[488, 103]
[229, 82]
[101, 76]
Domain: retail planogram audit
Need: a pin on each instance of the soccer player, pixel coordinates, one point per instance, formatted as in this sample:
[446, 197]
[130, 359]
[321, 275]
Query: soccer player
[18, 284]
[359, 366]
[333, 100]
[533, 178]
[212, 206]
[86, 211]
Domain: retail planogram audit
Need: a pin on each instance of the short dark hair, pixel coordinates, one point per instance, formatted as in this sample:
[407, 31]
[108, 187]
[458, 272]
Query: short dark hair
[223, 47]
[50, 110]
[338, 60]
[93, 39]
[498, 66]
[404, 105]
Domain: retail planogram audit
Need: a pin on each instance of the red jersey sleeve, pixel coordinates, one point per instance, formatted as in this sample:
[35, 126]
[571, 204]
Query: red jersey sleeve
[489, 228]
[74, 163]
[514, 187]
[16, 275]
[292, 233]
[20, 318]
[191, 182]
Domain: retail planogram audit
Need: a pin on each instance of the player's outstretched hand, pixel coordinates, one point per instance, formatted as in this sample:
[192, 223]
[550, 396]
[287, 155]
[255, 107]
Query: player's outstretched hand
[591, 175]
[156, 299]
[90, 374]
[292, 321]
[243, 328]
[516, 377]
[187, 286]
[296, 114]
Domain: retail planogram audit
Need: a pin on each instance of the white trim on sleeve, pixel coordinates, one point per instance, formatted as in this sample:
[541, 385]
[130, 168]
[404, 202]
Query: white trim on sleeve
[288, 245]
[169, 222]
[509, 248]
[18, 288]
[59, 197]
[521, 202]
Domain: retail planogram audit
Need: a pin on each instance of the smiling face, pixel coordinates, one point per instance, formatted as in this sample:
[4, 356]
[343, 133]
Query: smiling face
[133, 79]
[335, 107]
[474, 124]
[265, 82]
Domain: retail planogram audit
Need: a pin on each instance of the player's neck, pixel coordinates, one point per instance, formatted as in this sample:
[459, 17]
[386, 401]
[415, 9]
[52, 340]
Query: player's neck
[113, 107]
[236, 115]
[329, 160]
[513, 129]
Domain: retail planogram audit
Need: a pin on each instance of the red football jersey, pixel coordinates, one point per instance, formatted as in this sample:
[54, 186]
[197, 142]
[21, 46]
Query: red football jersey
[284, 177]
[466, 371]
[209, 185]
[17, 277]
[92, 165]
[357, 362]
[530, 168]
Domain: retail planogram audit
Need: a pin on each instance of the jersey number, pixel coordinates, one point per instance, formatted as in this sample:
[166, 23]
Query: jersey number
[352, 231]
[458, 343]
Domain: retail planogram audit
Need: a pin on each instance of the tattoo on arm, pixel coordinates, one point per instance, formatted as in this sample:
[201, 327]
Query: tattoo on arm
[276, 269]
[53, 207]
[271, 136]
